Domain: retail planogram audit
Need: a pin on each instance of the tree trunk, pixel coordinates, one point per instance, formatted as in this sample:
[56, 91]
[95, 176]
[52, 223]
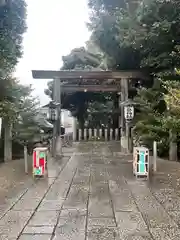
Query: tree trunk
[7, 141]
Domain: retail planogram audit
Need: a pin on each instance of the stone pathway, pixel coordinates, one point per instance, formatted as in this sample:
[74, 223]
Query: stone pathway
[13, 182]
[94, 196]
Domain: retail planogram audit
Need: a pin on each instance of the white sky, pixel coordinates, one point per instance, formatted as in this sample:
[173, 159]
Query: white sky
[55, 27]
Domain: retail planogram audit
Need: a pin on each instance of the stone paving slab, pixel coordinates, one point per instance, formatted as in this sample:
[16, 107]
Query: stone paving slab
[15, 217]
[50, 205]
[38, 230]
[94, 196]
[102, 233]
[71, 225]
[35, 237]
[103, 222]
[131, 223]
[66, 233]
[73, 213]
[12, 224]
[100, 204]
[147, 236]
[44, 218]
[25, 204]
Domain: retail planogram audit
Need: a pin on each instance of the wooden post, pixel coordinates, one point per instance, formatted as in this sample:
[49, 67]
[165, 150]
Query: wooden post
[25, 159]
[131, 140]
[127, 137]
[154, 156]
[120, 116]
[58, 122]
[124, 126]
[172, 146]
[7, 140]
[55, 125]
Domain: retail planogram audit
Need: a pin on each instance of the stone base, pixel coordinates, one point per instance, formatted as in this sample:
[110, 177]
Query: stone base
[124, 144]
[59, 147]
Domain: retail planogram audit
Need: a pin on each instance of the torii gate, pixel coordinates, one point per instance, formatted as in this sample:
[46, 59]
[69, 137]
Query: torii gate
[93, 81]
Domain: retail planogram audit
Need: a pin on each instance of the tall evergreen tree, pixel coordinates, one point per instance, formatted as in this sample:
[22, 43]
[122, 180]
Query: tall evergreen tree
[12, 28]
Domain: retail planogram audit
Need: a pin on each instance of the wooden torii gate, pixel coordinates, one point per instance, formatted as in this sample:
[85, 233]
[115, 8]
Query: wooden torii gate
[93, 81]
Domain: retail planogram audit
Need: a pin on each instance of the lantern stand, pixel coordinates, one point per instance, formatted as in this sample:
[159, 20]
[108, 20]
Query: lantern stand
[129, 116]
[53, 117]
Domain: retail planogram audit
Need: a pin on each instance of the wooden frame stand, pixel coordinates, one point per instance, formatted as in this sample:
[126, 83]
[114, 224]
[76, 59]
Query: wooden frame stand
[141, 162]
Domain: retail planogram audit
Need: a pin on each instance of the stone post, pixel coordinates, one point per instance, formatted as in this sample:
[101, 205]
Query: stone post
[74, 126]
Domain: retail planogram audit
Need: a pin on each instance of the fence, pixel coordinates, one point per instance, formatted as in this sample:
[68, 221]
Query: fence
[98, 134]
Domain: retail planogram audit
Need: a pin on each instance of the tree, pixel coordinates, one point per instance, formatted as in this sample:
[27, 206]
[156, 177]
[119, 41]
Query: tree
[144, 36]
[26, 130]
[150, 103]
[162, 109]
[18, 110]
[78, 59]
[25, 126]
[77, 103]
[105, 31]
[154, 32]
[12, 28]
[172, 97]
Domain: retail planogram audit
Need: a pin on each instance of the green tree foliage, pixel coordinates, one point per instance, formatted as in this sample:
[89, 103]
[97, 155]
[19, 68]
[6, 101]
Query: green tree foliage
[172, 97]
[135, 35]
[18, 110]
[162, 109]
[78, 59]
[12, 101]
[12, 28]
[153, 30]
[77, 103]
[148, 129]
[105, 33]
[146, 36]
[25, 127]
